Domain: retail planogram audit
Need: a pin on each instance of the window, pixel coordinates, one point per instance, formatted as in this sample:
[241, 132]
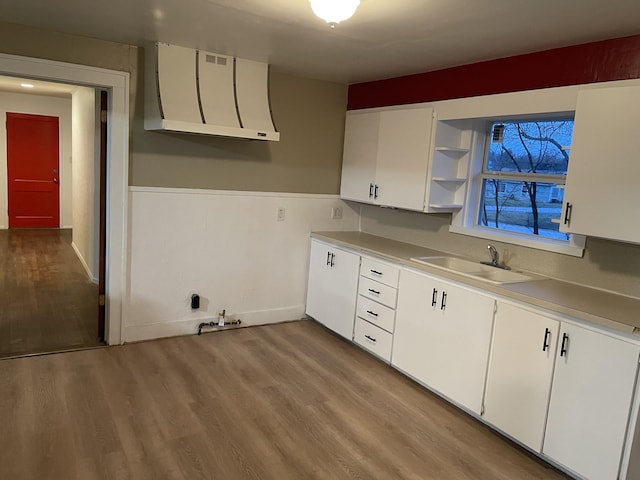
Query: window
[523, 171]
[517, 175]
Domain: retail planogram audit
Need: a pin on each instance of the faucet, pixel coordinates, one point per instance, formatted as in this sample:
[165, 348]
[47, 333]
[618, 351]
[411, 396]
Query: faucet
[495, 258]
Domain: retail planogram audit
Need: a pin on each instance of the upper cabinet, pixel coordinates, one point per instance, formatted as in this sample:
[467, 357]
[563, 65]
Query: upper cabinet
[386, 157]
[601, 194]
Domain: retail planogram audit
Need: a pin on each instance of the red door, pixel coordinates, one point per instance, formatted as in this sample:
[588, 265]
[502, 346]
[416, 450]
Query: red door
[32, 168]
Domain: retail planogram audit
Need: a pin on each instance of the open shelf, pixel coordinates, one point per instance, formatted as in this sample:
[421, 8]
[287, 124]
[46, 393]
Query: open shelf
[451, 150]
[449, 179]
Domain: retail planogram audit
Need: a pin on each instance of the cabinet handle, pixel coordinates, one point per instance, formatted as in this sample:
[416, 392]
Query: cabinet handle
[434, 298]
[563, 348]
[375, 191]
[370, 190]
[374, 291]
[370, 338]
[375, 272]
[444, 301]
[333, 256]
[328, 258]
[545, 343]
[567, 213]
[372, 313]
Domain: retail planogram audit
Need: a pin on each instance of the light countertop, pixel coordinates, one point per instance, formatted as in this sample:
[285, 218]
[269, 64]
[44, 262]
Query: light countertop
[615, 311]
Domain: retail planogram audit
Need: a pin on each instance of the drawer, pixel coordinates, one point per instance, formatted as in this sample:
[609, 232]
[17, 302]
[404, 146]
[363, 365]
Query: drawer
[380, 271]
[376, 313]
[378, 291]
[373, 338]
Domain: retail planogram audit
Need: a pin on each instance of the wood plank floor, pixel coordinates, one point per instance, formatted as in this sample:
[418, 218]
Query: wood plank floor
[47, 302]
[287, 401]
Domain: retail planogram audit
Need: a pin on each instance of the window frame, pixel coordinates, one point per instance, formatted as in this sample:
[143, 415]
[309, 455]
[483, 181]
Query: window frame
[466, 220]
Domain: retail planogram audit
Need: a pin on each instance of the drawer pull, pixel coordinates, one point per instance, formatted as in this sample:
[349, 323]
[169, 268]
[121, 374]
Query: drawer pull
[328, 258]
[434, 297]
[368, 337]
[375, 272]
[372, 313]
[444, 301]
[374, 291]
[370, 190]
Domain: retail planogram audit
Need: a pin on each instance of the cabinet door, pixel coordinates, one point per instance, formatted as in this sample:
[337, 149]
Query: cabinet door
[332, 288]
[411, 334]
[520, 371]
[442, 337]
[602, 180]
[360, 156]
[591, 398]
[458, 349]
[404, 147]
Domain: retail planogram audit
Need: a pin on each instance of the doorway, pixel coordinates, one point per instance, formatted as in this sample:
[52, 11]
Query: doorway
[49, 289]
[117, 83]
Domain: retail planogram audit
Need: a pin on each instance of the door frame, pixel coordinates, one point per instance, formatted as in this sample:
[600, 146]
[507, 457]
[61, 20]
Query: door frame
[117, 84]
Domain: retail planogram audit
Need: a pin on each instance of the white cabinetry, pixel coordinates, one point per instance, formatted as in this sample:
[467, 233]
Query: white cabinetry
[386, 157]
[442, 336]
[446, 186]
[601, 194]
[333, 286]
[375, 317]
[520, 371]
[591, 396]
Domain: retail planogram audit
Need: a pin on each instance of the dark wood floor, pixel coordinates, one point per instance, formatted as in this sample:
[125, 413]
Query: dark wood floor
[47, 302]
[287, 401]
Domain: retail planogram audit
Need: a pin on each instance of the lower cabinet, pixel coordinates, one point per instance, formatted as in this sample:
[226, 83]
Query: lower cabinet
[442, 336]
[591, 397]
[563, 390]
[520, 372]
[333, 287]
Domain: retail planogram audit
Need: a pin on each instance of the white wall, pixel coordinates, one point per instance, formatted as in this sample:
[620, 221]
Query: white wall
[85, 179]
[226, 246]
[38, 105]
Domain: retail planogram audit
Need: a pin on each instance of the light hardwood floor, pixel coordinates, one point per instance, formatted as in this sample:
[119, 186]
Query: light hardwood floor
[47, 302]
[287, 401]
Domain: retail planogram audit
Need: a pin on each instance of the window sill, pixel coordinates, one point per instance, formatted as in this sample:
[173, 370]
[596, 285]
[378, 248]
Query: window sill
[575, 247]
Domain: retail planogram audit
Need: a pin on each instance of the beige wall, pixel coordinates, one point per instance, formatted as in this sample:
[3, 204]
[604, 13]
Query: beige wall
[308, 113]
[606, 264]
[86, 186]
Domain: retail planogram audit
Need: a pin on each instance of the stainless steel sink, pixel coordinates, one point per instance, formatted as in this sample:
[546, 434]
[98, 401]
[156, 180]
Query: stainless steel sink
[476, 270]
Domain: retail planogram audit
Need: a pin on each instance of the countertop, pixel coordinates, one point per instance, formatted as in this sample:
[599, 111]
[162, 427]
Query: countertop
[608, 309]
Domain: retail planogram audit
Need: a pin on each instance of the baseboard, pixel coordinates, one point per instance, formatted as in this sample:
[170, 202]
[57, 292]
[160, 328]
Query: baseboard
[137, 333]
[84, 264]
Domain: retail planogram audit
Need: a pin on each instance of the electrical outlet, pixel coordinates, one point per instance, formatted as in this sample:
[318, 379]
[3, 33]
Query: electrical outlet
[281, 214]
[336, 213]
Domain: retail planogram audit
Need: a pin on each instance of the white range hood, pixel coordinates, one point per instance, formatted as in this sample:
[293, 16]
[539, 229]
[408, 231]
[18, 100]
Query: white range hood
[193, 91]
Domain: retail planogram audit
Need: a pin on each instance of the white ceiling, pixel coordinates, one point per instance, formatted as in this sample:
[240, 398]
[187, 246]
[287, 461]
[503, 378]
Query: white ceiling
[14, 85]
[385, 38]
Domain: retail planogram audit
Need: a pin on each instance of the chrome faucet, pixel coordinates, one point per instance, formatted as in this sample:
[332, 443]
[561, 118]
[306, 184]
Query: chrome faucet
[495, 258]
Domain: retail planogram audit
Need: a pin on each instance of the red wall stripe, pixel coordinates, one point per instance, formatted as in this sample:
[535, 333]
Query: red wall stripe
[617, 59]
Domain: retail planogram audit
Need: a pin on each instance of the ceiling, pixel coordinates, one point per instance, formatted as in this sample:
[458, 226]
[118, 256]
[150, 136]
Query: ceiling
[385, 38]
[14, 85]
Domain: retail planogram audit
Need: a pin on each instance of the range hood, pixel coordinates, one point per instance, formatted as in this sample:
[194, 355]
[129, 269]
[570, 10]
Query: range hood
[192, 91]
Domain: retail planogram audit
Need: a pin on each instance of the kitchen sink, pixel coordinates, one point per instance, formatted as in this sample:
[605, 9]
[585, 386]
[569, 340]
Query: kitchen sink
[475, 270]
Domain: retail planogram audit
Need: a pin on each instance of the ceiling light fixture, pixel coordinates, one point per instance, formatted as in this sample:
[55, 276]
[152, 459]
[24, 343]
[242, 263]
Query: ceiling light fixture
[334, 11]
[26, 85]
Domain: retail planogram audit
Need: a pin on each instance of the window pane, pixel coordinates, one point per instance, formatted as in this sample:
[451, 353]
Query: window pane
[531, 147]
[523, 207]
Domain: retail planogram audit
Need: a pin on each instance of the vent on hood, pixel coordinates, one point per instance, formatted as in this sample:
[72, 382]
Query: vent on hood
[192, 91]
